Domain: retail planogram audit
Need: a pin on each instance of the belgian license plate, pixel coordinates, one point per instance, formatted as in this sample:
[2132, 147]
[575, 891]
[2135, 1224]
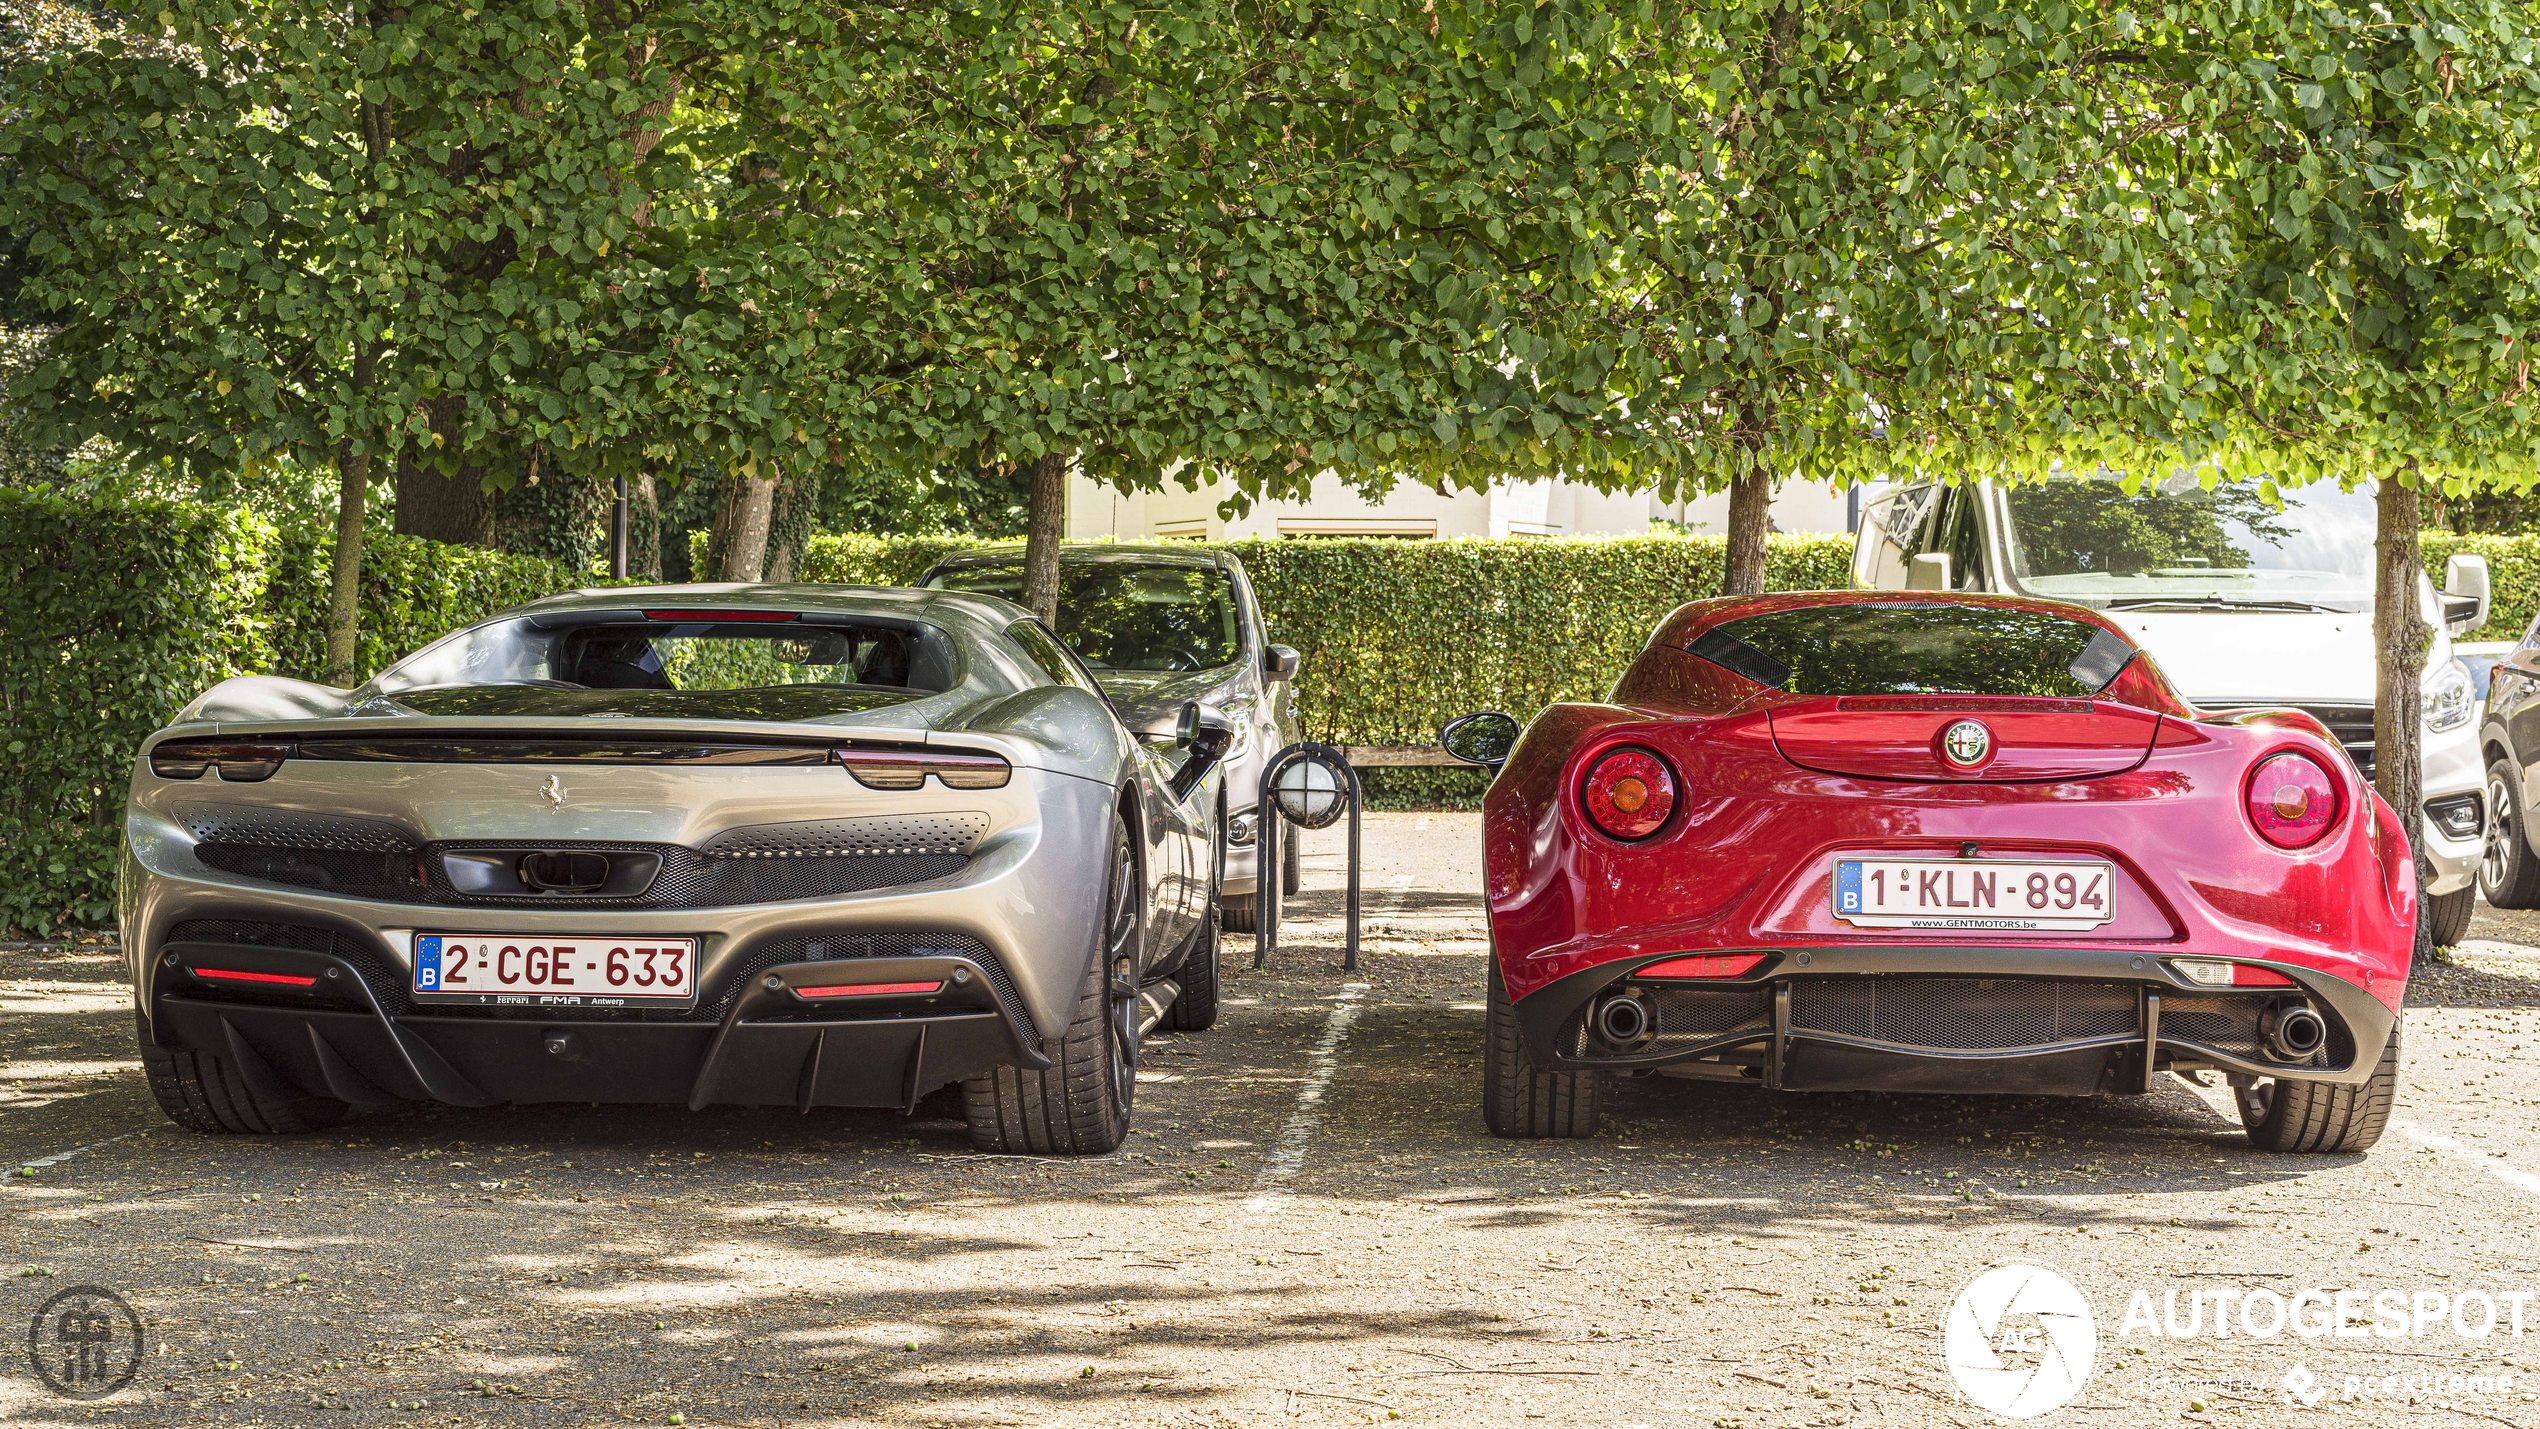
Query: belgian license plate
[2064, 896]
[542, 969]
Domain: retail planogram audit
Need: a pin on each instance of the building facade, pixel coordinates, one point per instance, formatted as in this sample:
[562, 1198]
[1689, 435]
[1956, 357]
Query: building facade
[1548, 507]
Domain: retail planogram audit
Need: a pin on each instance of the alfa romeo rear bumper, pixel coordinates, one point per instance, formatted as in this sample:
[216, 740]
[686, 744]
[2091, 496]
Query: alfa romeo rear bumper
[2055, 1021]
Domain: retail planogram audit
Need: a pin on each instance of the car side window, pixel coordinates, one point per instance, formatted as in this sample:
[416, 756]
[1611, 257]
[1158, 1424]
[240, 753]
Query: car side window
[1054, 659]
[1958, 532]
[1890, 528]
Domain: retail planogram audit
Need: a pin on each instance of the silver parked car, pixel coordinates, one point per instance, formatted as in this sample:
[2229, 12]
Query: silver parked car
[1160, 626]
[756, 845]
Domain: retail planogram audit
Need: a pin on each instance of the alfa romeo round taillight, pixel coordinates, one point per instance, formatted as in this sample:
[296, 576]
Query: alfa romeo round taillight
[1629, 793]
[2292, 801]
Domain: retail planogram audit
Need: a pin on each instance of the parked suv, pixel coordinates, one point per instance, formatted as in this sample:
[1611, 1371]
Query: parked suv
[1159, 626]
[2242, 602]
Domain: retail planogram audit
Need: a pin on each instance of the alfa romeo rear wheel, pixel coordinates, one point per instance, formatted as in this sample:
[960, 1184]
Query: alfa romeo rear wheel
[2316, 1117]
[1519, 1100]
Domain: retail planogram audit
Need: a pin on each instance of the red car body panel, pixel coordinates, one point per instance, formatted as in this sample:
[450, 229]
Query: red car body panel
[1772, 786]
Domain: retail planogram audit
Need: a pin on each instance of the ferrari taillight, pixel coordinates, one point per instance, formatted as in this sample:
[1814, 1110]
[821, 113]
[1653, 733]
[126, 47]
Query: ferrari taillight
[898, 769]
[237, 763]
[1629, 793]
[2292, 802]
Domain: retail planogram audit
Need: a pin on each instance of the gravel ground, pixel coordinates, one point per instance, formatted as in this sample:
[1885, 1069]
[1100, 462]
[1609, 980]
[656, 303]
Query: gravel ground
[1309, 1227]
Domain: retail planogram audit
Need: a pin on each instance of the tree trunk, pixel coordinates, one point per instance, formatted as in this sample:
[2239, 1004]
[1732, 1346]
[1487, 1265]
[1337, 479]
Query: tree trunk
[789, 528]
[2399, 636]
[1042, 532]
[343, 616]
[456, 509]
[1750, 518]
[743, 516]
[643, 524]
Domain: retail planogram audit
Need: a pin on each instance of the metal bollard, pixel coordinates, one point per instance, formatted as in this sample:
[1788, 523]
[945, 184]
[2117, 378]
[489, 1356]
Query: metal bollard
[1272, 814]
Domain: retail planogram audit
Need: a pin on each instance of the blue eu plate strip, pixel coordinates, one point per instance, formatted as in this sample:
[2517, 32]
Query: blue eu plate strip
[1847, 887]
[428, 958]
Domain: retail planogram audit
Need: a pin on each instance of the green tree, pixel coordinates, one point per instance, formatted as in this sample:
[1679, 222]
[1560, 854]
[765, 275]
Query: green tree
[2391, 262]
[1265, 240]
[278, 231]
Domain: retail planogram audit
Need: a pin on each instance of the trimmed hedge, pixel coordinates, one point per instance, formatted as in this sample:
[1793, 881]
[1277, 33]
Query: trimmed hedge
[414, 592]
[119, 614]
[1401, 636]
[116, 616]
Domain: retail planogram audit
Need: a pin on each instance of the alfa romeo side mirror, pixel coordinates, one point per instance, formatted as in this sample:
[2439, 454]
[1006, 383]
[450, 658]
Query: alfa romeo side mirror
[1484, 738]
[1280, 662]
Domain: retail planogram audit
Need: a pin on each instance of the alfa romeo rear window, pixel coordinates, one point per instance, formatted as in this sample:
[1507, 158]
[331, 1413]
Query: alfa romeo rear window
[1918, 648]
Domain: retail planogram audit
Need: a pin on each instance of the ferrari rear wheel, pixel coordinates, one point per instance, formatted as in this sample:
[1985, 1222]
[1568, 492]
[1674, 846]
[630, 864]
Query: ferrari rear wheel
[1517, 1099]
[1080, 1105]
[203, 1091]
[2507, 872]
[1291, 865]
[2283, 1115]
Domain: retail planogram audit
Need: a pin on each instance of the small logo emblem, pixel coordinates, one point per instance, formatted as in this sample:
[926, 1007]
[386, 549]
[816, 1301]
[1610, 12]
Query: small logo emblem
[2020, 1341]
[85, 1343]
[553, 792]
[2301, 1384]
[1966, 743]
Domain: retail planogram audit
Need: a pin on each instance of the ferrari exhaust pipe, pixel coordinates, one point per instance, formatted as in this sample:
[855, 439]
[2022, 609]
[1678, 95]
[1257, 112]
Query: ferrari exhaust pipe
[1622, 1019]
[2295, 1033]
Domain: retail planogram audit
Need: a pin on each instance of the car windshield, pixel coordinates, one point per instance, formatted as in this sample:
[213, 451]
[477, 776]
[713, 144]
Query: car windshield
[1917, 648]
[1129, 615]
[705, 667]
[2084, 539]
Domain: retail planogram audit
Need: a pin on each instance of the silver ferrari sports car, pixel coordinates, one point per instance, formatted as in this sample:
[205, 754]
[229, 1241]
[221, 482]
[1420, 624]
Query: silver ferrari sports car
[756, 845]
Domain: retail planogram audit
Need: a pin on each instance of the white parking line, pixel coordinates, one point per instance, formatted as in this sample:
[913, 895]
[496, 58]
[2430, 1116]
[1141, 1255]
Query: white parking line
[58, 1157]
[2497, 1167]
[1288, 1157]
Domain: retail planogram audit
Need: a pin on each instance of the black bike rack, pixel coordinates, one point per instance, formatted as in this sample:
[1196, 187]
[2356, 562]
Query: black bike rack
[1268, 821]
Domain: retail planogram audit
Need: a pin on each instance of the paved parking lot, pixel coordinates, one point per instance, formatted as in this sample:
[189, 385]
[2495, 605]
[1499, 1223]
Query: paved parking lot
[1309, 1227]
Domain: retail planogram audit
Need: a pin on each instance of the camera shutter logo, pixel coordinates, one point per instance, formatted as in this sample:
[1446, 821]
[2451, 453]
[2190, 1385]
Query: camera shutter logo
[2020, 1340]
[85, 1343]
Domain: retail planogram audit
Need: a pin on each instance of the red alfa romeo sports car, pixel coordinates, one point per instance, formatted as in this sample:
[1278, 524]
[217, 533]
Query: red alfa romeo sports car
[1910, 842]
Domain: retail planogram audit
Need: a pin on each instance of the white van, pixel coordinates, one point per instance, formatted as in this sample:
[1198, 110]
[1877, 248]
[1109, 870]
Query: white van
[2241, 602]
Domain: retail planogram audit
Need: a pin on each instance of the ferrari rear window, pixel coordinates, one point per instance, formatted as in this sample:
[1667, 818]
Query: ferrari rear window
[1917, 648]
[750, 665]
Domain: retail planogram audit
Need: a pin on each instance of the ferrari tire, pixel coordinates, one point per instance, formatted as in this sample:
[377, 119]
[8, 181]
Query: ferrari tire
[2318, 1117]
[2447, 916]
[1240, 915]
[1291, 866]
[1079, 1105]
[1517, 1099]
[203, 1091]
[2508, 873]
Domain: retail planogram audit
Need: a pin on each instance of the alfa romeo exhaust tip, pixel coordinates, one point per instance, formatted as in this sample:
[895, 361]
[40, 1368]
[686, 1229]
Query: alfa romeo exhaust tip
[1622, 1020]
[2297, 1034]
